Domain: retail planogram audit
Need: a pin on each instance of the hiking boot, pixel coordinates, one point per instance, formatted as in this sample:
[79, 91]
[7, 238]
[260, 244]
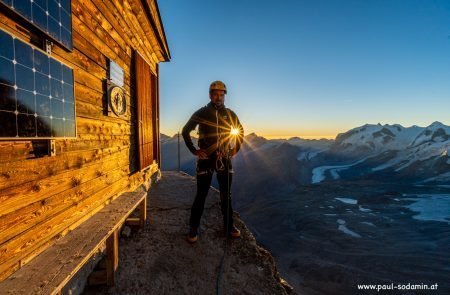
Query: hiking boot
[193, 235]
[234, 232]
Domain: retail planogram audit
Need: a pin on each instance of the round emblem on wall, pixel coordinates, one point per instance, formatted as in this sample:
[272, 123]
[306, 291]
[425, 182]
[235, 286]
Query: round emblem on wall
[117, 100]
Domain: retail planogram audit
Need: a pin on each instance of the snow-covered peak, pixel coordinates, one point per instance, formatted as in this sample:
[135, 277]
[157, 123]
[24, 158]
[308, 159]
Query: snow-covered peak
[436, 124]
[377, 137]
[436, 132]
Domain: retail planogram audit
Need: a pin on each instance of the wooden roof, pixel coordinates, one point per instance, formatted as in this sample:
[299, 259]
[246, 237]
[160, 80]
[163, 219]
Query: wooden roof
[154, 17]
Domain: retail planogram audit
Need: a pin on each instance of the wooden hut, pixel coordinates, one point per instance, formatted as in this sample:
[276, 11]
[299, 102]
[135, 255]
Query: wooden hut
[79, 116]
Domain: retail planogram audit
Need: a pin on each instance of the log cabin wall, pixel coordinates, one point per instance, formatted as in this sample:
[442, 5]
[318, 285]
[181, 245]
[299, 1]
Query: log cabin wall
[44, 197]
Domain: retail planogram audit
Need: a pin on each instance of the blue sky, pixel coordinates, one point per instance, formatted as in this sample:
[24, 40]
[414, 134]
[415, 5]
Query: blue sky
[308, 68]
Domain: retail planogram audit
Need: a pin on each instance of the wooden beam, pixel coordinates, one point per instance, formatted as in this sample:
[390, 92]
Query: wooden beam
[112, 257]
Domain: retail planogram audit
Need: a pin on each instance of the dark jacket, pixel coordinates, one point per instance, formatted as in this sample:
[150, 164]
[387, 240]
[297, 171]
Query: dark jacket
[213, 129]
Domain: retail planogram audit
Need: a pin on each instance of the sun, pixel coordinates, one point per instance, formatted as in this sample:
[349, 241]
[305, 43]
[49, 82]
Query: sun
[234, 131]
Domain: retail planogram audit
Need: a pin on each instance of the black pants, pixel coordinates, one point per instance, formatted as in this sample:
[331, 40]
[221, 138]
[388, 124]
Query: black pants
[205, 171]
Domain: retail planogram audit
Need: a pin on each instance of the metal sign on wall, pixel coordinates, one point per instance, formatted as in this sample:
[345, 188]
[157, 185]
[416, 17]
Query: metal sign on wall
[117, 103]
[116, 74]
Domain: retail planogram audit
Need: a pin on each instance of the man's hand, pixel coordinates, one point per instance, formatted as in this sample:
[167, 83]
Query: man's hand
[201, 154]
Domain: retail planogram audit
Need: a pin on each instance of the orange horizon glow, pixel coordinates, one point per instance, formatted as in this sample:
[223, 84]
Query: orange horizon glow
[301, 136]
[277, 136]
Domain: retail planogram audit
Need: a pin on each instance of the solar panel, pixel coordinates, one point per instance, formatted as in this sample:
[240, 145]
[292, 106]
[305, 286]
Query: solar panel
[36, 92]
[54, 17]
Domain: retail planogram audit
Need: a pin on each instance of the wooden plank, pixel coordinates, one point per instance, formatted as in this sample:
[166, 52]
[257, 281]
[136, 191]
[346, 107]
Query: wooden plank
[124, 8]
[20, 220]
[6, 269]
[138, 11]
[116, 20]
[12, 150]
[96, 98]
[112, 257]
[93, 126]
[94, 142]
[17, 248]
[43, 203]
[87, 26]
[157, 23]
[62, 260]
[37, 237]
[23, 151]
[20, 172]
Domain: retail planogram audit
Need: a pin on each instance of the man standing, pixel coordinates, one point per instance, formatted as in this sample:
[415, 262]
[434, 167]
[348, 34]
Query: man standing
[220, 138]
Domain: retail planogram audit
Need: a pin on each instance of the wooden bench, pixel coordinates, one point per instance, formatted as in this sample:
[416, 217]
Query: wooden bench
[51, 270]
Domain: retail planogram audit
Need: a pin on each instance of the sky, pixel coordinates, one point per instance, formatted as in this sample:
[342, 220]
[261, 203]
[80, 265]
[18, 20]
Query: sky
[311, 69]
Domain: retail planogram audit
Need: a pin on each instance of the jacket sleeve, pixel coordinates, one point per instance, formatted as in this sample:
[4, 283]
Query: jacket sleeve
[190, 125]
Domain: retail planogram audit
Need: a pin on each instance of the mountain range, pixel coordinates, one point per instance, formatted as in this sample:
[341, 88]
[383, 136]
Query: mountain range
[370, 206]
[378, 152]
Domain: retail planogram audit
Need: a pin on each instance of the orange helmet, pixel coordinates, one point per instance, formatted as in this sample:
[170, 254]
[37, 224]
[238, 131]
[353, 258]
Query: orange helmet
[217, 85]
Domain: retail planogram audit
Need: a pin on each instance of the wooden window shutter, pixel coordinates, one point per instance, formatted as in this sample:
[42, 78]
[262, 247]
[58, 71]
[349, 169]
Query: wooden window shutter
[146, 95]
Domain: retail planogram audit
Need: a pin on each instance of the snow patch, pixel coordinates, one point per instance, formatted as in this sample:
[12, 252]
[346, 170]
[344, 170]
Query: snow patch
[340, 221]
[364, 209]
[368, 223]
[431, 207]
[309, 155]
[319, 172]
[343, 228]
[348, 201]
[444, 177]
